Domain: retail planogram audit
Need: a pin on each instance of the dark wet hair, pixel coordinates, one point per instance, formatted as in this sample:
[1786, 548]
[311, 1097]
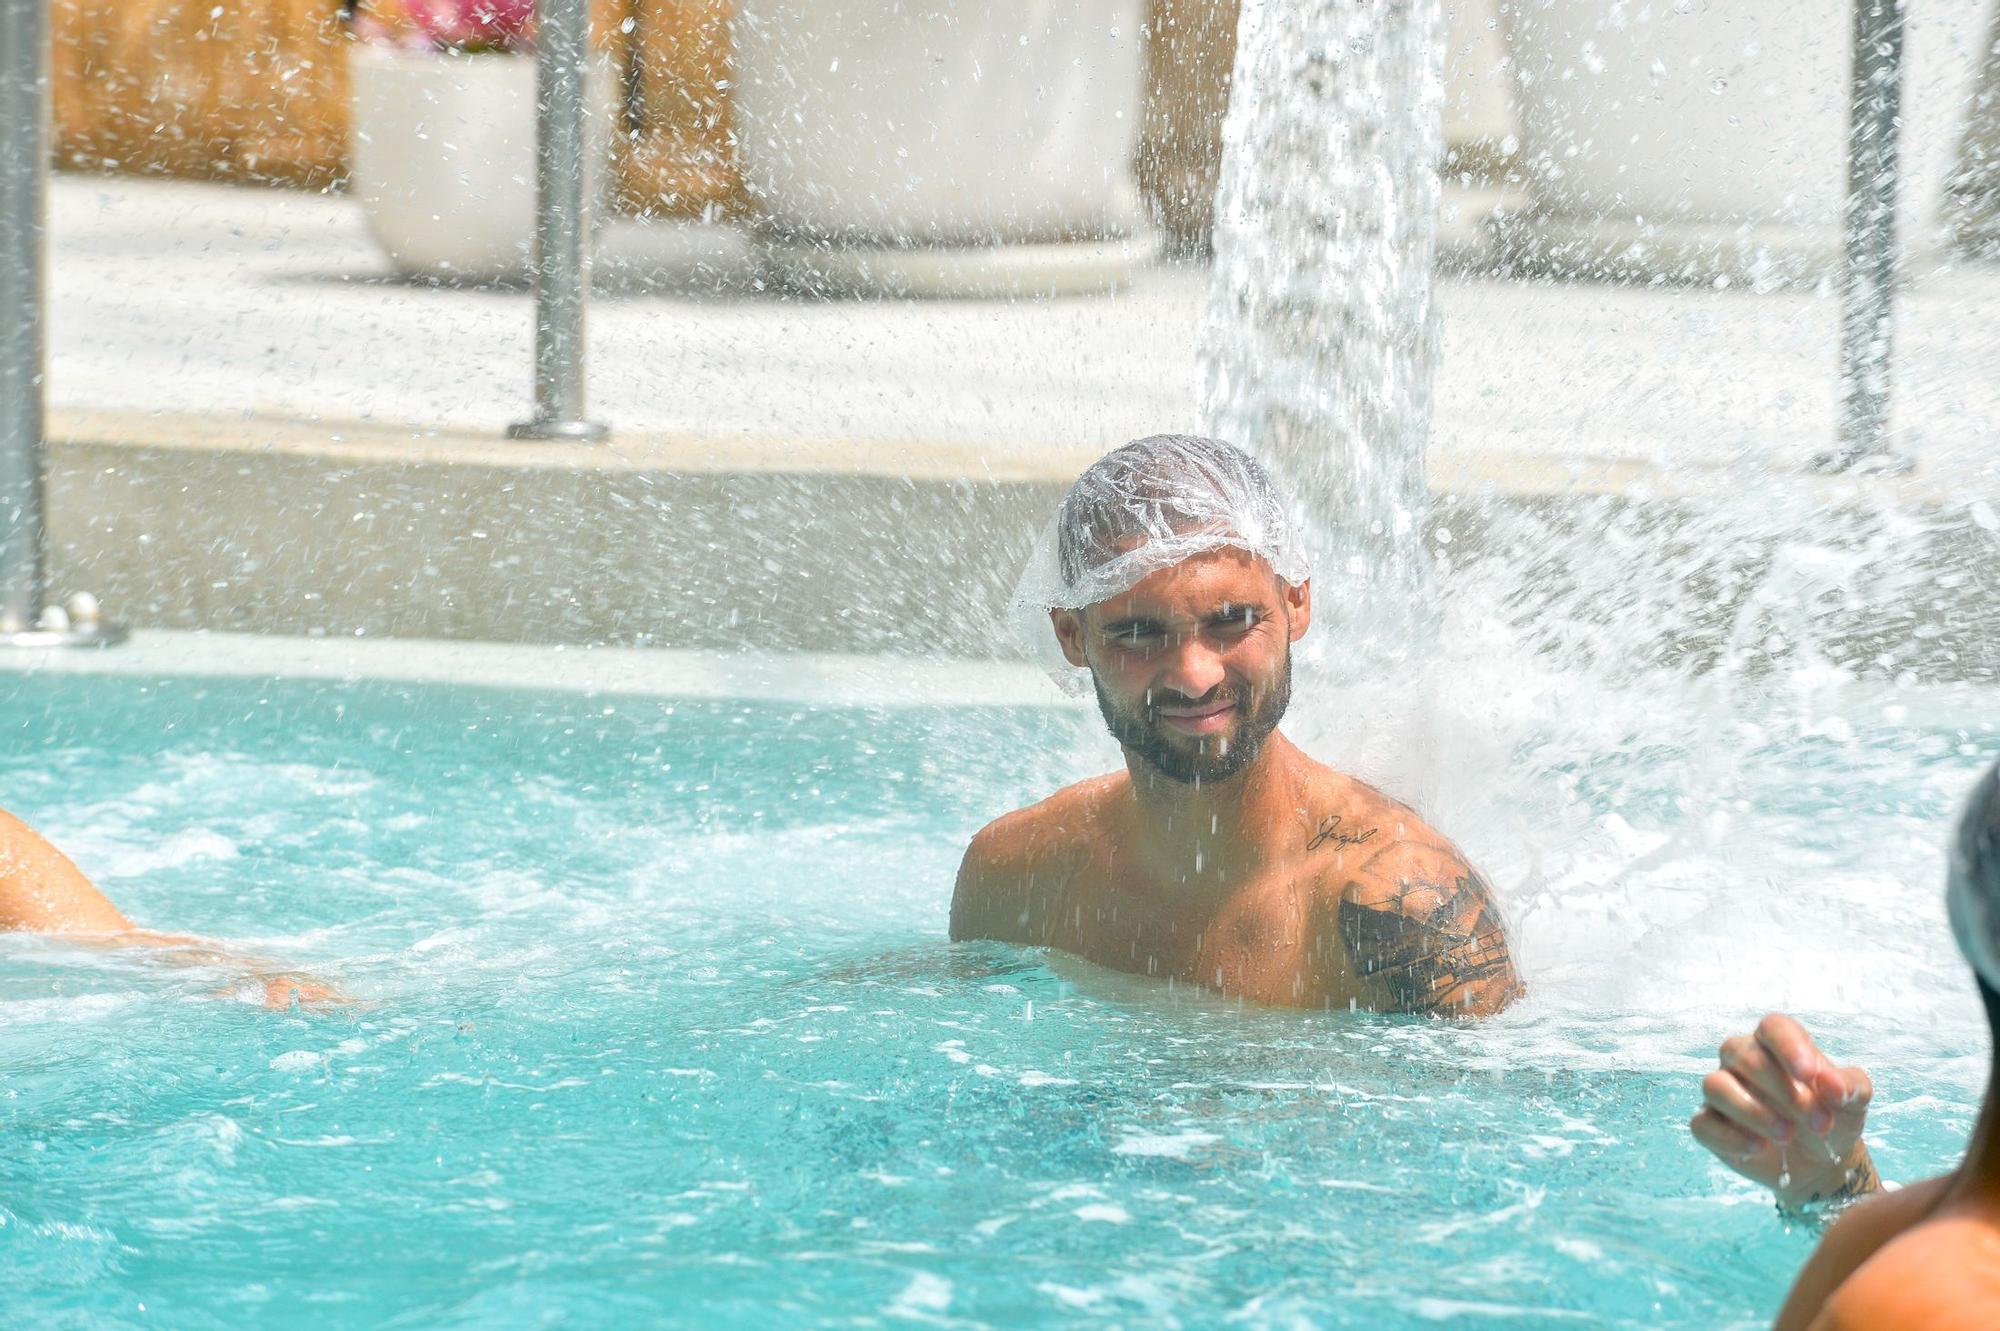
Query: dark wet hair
[1975, 873]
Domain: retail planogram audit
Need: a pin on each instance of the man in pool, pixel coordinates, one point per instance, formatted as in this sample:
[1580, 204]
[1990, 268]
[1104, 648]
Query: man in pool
[1222, 855]
[41, 891]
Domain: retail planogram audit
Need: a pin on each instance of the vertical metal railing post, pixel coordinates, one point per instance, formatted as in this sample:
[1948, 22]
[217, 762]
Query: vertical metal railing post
[25, 619]
[1868, 279]
[562, 224]
[23, 92]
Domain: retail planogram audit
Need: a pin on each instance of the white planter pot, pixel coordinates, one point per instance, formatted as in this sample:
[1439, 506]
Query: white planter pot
[443, 157]
[1699, 138]
[906, 144]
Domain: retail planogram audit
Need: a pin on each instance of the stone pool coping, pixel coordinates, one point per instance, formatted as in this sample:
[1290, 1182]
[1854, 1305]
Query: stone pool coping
[1558, 466]
[826, 679]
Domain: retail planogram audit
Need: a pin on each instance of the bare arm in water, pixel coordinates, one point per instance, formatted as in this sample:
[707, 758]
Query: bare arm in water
[41, 891]
[1777, 1111]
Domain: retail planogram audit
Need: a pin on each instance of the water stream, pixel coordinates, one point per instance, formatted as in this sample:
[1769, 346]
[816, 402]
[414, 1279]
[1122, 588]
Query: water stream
[1320, 340]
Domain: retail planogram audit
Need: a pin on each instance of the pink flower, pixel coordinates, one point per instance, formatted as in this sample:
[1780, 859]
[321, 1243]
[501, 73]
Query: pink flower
[474, 25]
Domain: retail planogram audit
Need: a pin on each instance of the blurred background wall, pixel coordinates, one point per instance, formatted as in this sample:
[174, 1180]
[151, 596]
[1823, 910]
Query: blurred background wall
[256, 90]
[246, 91]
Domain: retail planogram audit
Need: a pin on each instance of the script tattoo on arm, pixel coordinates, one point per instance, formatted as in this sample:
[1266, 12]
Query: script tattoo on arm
[1434, 947]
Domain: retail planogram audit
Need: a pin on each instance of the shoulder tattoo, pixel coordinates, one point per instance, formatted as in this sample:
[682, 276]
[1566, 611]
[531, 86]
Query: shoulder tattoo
[1436, 947]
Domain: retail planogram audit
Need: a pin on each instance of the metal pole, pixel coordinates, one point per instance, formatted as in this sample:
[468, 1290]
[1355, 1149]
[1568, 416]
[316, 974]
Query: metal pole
[1869, 275]
[23, 75]
[25, 620]
[562, 224]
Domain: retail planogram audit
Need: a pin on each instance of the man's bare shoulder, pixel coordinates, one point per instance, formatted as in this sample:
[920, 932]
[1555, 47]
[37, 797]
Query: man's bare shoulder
[1420, 927]
[1353, 822]
[1362, 843]
[1055, 826]
[1941, 1274]
[1017, 865]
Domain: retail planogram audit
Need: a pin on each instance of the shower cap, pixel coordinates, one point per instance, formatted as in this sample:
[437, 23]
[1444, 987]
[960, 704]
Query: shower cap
[1972, 894]
[1146, 506]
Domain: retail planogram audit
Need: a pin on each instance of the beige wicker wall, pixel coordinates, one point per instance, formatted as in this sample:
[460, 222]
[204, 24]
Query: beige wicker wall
[1191, 47]
[258, 92]
[680, 163]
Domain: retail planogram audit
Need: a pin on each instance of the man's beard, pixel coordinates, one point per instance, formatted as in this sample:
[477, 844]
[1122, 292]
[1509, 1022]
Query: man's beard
[1211, 760]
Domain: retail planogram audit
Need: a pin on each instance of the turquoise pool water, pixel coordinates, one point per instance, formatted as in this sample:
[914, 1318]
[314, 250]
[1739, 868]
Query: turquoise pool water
[660, 1028]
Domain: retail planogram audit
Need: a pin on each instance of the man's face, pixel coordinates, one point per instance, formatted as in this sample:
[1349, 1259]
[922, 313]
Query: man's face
[1193, 665]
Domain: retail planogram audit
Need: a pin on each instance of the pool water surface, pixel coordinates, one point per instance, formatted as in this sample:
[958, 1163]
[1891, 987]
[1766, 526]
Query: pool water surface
[657, 1024]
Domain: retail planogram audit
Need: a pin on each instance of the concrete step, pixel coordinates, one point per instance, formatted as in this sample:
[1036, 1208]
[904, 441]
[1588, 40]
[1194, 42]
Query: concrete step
[738, 543]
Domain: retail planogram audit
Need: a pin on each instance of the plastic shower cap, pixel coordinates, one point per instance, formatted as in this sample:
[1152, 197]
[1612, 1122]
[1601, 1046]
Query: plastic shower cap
[1973, 891]
[1146, 506]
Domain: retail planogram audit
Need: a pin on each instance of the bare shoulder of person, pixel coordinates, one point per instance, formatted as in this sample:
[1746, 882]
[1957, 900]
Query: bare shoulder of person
[1015, 870]
[1863, 1230]
[1942, 1274]
[1351, 822]
[1420, 925]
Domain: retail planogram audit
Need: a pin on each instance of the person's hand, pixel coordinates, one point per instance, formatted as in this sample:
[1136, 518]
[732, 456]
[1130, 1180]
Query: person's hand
[281, 991]
[1778, 1112]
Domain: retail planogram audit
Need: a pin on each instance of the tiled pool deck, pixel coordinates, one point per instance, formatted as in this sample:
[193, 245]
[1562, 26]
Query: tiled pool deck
[220, 301]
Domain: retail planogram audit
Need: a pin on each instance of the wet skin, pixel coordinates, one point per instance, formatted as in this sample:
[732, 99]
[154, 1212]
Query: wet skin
[1777, 1110]
[1923, 1258]
[1223, 856]
[41, 891]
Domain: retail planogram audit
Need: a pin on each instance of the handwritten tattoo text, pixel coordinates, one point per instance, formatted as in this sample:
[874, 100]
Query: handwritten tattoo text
[1330, 831]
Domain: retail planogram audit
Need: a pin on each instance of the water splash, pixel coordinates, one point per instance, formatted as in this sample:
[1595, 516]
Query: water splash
[1673, 634]
[1320, 339]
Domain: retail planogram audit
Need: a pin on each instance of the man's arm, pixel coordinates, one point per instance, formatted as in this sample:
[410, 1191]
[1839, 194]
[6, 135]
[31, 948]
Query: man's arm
[1777, 1111]
[1422, 934]
[41, 891]
[974, 898]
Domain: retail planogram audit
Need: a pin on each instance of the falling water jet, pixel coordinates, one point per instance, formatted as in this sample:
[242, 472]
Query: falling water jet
[1320, 339]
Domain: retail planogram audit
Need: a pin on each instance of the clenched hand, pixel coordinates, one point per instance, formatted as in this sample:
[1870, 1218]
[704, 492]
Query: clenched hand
[1779, 1112]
